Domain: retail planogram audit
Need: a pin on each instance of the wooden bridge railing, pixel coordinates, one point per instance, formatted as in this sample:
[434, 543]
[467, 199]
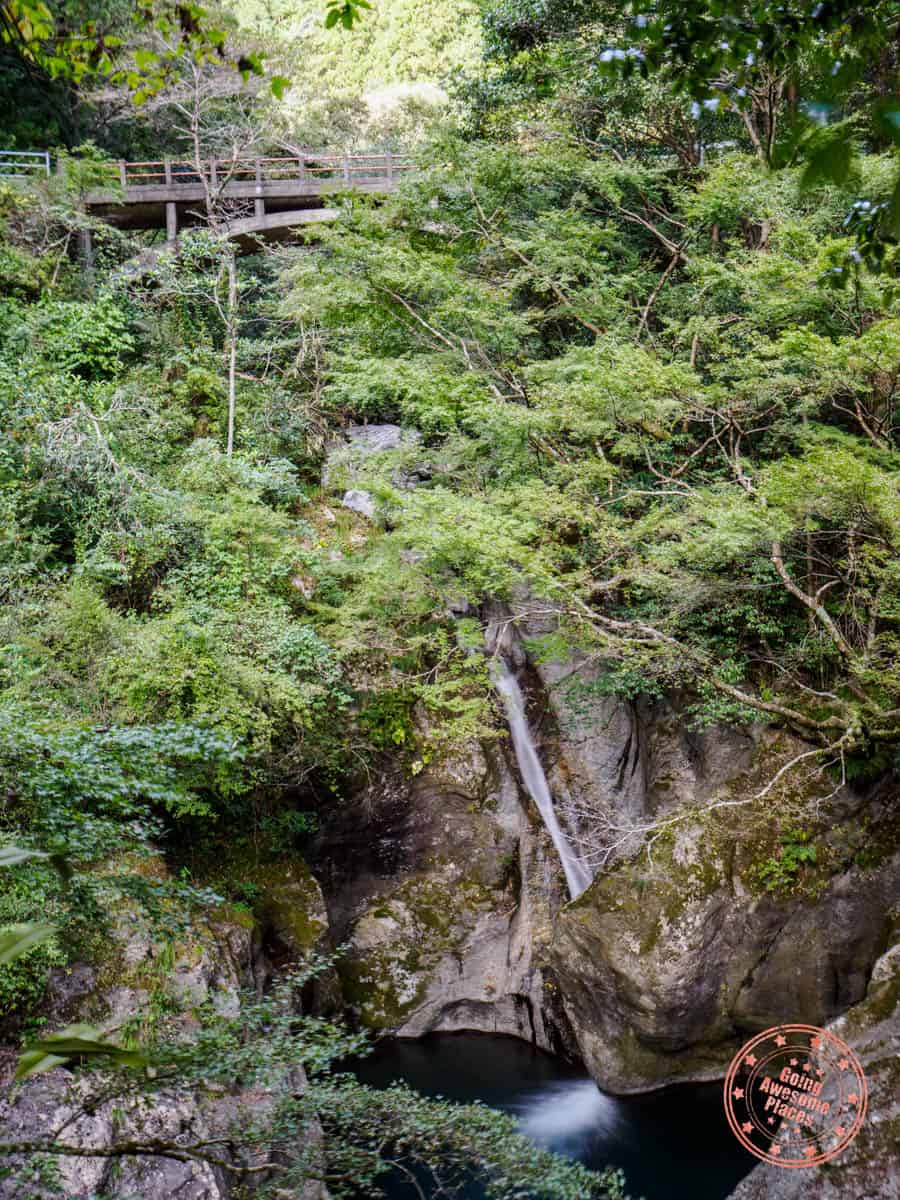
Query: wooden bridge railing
[348, 168]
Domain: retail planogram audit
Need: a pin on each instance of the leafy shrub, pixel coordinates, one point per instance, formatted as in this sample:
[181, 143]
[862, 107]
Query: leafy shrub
[782, 873]
[89, 338]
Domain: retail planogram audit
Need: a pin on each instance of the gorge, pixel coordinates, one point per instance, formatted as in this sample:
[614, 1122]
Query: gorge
[449, 700]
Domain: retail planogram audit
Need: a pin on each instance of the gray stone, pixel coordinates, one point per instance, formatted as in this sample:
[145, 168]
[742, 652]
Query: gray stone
[58, 1100]
[676, 952]
[868, 1169]
[445, 895]
[361, 502]
[374, 439]
[347, 455]
[67, 989]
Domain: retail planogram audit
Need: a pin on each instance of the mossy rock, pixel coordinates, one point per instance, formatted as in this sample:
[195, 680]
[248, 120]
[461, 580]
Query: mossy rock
[400, 941]
[290, 903]
[282, 893]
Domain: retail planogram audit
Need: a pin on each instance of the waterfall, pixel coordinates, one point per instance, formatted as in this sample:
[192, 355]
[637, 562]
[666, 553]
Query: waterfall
[578, 877]
[568, 1116]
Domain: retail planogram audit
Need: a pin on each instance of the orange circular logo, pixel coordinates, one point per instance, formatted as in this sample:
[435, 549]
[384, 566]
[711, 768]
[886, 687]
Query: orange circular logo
[795, 1096]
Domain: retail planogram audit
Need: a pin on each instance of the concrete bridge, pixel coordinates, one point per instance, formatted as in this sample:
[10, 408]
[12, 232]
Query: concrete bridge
[262, 197]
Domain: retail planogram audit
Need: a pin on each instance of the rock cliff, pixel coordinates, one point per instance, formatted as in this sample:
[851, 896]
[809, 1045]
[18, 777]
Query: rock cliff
[702, 924]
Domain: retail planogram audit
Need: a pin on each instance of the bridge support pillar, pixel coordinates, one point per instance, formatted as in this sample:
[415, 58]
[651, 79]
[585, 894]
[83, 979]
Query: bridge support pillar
[259, 205]
[86, 249]
[171, 221]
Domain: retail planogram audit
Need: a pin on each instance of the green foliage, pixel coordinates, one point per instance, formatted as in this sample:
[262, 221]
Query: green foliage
[643, 419]
[782, 873]
[347, 12]
[567, 447]
[793, 83]
[396, 42]
[90, 338]
[27, 949]
[267, 1041]
[75, 1041]
[93, 50]
[17, 940]
[388, 719]
[108, 776]
[453, 1142]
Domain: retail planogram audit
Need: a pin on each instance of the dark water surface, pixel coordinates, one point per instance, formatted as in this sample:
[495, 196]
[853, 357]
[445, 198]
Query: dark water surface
[674, 1145]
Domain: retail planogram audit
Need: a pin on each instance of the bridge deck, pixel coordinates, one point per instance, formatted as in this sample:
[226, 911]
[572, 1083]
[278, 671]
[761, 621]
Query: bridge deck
[181, 181]
[172, 192]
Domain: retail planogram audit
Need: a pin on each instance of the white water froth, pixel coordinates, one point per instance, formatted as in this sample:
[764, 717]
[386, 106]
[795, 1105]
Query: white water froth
[564, 1116]
[578, 877]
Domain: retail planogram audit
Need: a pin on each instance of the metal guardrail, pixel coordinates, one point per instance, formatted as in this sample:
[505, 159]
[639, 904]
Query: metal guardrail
[309, 168]
[23, 164]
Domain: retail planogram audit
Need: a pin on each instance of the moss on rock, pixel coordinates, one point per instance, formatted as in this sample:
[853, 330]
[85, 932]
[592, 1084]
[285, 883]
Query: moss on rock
[398, 943]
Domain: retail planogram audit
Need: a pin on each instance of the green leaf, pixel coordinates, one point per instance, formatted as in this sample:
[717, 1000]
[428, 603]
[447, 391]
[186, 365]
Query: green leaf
[332, 18]
[11, 856]
[16, 940]
[145, 59]
[75, 1041]
[280, 84]
[33, 1062]
[829, 156]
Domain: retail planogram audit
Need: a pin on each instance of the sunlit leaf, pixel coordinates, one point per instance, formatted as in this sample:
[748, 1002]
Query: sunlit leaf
[75, 1041]
[11, 856]
[16, 940]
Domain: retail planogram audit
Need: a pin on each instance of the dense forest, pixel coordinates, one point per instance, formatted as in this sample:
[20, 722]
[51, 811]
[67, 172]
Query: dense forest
[613, 372]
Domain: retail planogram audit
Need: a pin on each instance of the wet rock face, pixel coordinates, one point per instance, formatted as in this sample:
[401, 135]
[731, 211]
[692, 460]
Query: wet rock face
[678, 951]
[452, 900]
[445, 894]
[675, 954]
[662, 982]
[58, 1100]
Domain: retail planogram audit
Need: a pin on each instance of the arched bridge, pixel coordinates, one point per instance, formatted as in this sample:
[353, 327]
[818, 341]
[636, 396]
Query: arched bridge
[264, 197]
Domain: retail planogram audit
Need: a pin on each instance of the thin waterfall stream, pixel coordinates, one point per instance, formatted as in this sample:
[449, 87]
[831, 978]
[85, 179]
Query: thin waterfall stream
[578, 877]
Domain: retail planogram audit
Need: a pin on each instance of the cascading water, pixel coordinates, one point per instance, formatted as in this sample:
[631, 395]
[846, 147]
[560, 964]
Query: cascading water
[672, 1145]
[578, 877]
[568, 1116]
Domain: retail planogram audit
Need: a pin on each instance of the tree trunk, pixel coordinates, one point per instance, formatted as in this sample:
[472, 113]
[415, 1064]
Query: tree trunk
[232, 348]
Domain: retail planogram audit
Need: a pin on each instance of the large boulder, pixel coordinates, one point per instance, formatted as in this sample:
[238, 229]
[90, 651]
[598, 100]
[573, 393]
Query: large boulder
[60, 1101]
[348, 456]
[445, 895]
[667, 964]
[699, 927]
[868, 1169]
